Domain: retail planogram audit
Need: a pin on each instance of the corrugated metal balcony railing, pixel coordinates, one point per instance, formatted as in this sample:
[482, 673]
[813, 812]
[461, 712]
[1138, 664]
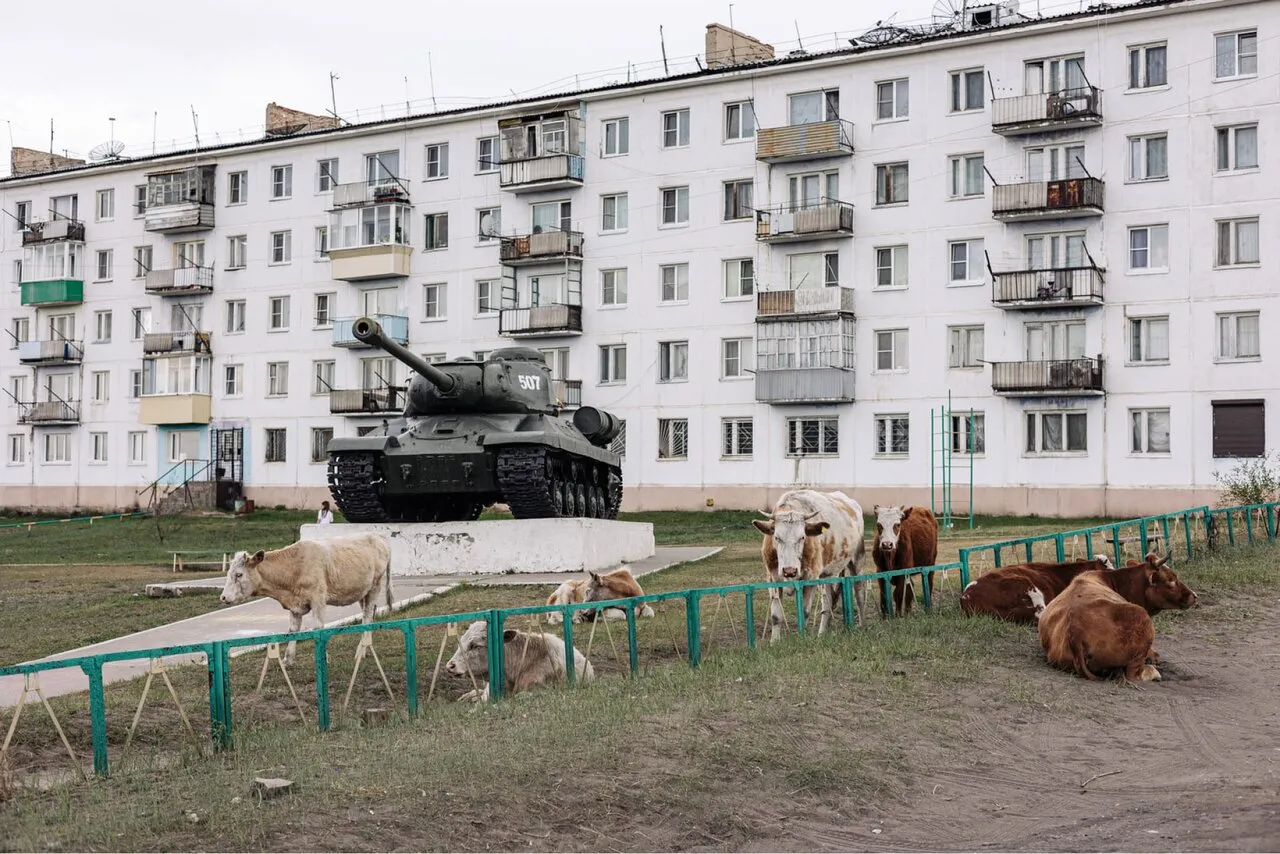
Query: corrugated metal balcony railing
[816, 221]
[54, 229]
[1061, 199]
[1058, 377]
[49, 412]
[541, 320]
[52, 352]
[1069, 108]
[176, 342]
[1061, 286]
[568, 393]
[548, 172]
[805, 385]
[366, 193]
[370, 401]
[812, 141]
[180, 280]
[804, 301]
[396, 326]
[539, 247]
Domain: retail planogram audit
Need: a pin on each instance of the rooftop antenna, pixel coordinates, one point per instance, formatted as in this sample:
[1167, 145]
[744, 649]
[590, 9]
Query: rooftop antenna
[431, 78]
[155, 120]
[195, 123]
[733, 39]
[662, 38]
[112, 119]
[51, 137]
[10, 124]
[407, 111]
[796, 23]
[333, 96]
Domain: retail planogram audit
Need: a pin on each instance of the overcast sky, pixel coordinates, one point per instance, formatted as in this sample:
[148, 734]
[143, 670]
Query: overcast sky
[147, 63]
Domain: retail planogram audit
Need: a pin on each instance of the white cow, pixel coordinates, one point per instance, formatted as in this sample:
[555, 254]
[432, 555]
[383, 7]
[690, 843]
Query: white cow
[530, 659]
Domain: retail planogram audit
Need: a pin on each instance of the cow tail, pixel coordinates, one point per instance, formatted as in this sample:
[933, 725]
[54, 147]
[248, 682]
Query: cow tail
[1075, 644]
[388, 584]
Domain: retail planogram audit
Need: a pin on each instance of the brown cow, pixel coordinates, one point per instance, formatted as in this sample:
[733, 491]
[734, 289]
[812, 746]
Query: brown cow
[1101, 624]
[1003, 593]
[905, 537]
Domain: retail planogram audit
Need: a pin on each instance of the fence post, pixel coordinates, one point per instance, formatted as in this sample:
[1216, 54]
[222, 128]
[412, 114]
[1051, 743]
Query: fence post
[751, 618]
[693, 625]
[1186, 530]
[495, 620]
[1164, 533]
[97, 715]
[926, 579]
[1115, 544]
[1248, 525]
[219, 695]
[570, 671]
[633, 657]
[322, 682]
[846, 600]
[800, 614]
[964, 568]
[1061, 547]
[411, 668]
[1142, 538]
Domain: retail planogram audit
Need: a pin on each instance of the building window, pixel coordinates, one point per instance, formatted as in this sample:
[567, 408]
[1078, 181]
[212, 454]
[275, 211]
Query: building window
[735, 358]
[675, 282]
[57, 448]
[739, 277]
[613, 363]
[437, 165]
[320, 439]
[1148, 66]
[99, 443]
[434, 301]
[891, 266]
[106, 205]
[101, 386]
[101, 327]
[277, 379]
[1237, 242]
[804, 269]
[1149, 247]
[21, 215]
[1237, 148]
[738, 202]
[281, 182]
[1149, 429]
[1057, 432]
[322, 242]
[235, 252]
[968, 89]
[326, 175]
[892, 99]
[231, 375]
[139, 200]
[437, 228]
[1239, 428]
[1149, 340]
[617, 137]
[141, 323]
[322, 376]
[891, 350]
[1148, 157]
[235, 316]
[487, 296]
[675, 129]
[488, 224]
[281, 247]
[183, 445]
[276, 442]
[1237, 54]
[613, 212]
[17, 448]
[277, 313]
[135, 384]
[487, 154]
[965, 346]
[891, 184]
[675, 206]
[737, 437]
[964, 255]
[137, 447]
[613, 287]
[141, 261]
[813, 437]
[237, 188]
[673, 438]
[966, 176]
[105, 265]
[893, 434]
[1239, 336]
[967, 433]
[17, 273]
[673, 361]
[739, 121]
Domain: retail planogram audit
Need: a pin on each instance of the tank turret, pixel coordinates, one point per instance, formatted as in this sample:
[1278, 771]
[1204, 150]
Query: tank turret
[367, 331]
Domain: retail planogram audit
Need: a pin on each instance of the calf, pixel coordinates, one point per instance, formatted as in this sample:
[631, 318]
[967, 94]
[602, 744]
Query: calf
[1002, 593]
[905, 537]
[310, 574]
[808, 535]
[530, 660]
[619, 584]
[568, 593]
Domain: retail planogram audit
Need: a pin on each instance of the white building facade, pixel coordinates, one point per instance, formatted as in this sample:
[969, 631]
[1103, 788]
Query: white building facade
[776, 272]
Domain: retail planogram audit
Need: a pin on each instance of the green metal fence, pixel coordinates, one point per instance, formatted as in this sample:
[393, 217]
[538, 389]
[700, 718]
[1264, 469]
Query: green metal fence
[1186, 532]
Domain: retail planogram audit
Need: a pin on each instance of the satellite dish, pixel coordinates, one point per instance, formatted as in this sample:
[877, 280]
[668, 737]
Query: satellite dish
[106, 150]
[949, 14]
[487, 226]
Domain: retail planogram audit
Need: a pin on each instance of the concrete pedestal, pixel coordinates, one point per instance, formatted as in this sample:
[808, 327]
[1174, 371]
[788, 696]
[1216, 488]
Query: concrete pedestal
[503, 545]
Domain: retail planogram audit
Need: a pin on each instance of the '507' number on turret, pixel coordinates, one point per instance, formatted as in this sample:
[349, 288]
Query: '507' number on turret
[530, 382]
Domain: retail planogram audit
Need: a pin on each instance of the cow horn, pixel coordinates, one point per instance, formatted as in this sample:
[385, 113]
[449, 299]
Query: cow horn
[812, 515]
[768, 514]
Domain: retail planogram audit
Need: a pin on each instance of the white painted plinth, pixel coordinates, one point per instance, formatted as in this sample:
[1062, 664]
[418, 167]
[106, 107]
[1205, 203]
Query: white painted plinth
[503, 545]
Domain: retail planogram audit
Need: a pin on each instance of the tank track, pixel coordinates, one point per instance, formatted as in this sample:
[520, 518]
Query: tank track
[534, 480]
[352, 482]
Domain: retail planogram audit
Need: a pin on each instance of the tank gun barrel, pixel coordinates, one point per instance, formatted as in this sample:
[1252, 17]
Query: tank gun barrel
[367, 330]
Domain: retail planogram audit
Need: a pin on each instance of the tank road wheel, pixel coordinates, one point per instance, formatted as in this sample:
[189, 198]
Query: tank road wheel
[614, 489]
[354, 480]
[580, 499]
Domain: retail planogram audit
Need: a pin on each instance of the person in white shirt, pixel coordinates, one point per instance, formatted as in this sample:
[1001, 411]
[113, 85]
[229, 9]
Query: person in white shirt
[325, 516]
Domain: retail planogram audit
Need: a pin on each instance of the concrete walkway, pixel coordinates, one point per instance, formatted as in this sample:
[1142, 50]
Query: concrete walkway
[265, 617]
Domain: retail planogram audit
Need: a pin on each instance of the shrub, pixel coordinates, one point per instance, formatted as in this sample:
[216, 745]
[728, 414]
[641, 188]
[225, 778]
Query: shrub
[1251, 481]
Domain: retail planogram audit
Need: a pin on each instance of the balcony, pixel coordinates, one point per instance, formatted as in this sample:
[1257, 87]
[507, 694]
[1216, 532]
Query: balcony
[53, 352]
[804, 301]
[540, 321]
[805, 385]
[567, 393]
[366, 401]
[1054, 378]
[370, 262]
[1061, 287]
[50, 412]
[538, 152]
[1069, 198]
[176, 343]
[551, 172]
[540, 248]
[396, 327]
[53, 292]
[812, 141]
[792, 223]
[169, 409]
[366, 193]
[1065, 110]
[180, 282]
[54, 229]
[806, 358]
[181, 201]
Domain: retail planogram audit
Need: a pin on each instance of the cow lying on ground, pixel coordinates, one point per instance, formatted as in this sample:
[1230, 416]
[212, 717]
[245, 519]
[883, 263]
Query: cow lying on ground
[1003, 593]
[809, 535]
[1101, 624]
[530, 659]
[310, 574]
[905, 537]
[618, 584]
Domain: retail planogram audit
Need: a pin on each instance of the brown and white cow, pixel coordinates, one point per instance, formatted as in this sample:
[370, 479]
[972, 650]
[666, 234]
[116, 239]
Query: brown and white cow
[905, 537]
[618, 584]
[1101, 624]
[1003, 593]
[808, 535]
[530, 659]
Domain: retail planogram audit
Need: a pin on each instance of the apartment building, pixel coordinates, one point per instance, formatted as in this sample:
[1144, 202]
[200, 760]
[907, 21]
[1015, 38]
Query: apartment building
[776, 271]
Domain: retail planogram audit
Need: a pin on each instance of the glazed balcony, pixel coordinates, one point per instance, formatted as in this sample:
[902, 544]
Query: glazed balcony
[540, 321]
[50, 412]
[52, 352]
[1065, 110]
[812, 141]
[805, 385]
[366, 401]
[806, 357]
[369, 240]
[396, 327]
[804, 301]
[567, 393]
[181, 201]
[540, 247]
[54, 229]
[1068, 198]
[180, 281]
[791, 223]
[1051, 378]
[1061, 287]
[176, 343]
